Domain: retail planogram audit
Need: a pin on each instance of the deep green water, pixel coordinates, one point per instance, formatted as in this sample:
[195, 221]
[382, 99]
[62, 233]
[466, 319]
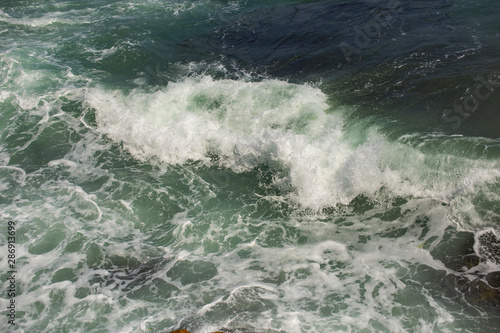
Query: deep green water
[278, 166]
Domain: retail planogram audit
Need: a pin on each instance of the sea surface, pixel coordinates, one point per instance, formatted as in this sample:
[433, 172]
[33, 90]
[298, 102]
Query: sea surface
[276, 166]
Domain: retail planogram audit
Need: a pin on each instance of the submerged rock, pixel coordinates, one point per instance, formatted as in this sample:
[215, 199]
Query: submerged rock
[484, 291]
[472, 256]
[493, 279]
[456, 250]
[488, 246]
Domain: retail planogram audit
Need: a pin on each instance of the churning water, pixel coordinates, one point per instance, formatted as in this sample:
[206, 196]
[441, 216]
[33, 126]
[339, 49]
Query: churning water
[280, 166]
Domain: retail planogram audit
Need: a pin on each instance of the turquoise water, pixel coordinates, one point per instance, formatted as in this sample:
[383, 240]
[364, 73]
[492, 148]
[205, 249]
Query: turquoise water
[278, 166]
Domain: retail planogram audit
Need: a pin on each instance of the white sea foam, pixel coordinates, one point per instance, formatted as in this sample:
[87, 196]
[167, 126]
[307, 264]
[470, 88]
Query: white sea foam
[288, 127]
[46, 20]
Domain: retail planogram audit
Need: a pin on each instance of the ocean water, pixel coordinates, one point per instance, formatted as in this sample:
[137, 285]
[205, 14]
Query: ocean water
[275, 166]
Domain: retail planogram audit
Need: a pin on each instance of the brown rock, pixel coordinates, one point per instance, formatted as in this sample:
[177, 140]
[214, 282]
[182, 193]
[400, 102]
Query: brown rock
[186, 331]
[493, 279]
[484, 293]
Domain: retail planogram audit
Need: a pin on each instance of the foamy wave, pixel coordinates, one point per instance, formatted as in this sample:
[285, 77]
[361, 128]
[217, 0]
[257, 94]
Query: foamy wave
[287, 127]
[245, 124]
